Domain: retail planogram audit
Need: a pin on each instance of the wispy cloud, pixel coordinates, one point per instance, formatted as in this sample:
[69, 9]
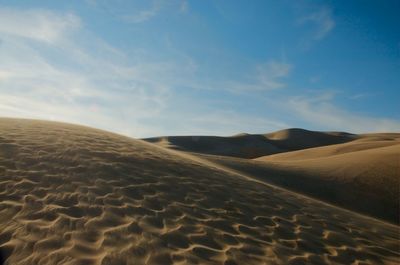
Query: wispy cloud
[184, 6]
[51, 67]
[145, 14]
[37, 24]
[270, 74]
[90, 85]
[79, 85]
[322, 20]
[139, 11]
[4, 75]
[267, 76]
[320, 111]
[222, 122]
[360, 96]
[314, 79]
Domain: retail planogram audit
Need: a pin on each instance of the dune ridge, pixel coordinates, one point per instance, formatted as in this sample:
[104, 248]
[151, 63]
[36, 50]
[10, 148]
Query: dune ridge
[344, 174]
[75, 195]
[253, 145]
[364, 168]
[364, 193]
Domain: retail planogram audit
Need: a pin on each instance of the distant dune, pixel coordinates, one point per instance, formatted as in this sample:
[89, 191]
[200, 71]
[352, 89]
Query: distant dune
[357, 167]
[364, 169]
[75, 195]
[347, 175]
[252, 145]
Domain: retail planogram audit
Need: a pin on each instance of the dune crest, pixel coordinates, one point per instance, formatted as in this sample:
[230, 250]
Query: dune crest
[336, 167]
[365, 168]
[246, 145]
[75, 195]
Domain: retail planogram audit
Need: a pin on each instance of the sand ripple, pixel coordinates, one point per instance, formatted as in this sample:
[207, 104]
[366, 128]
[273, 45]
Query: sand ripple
[74, 195]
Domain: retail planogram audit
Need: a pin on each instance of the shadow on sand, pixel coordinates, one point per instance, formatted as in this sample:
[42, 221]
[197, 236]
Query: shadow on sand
[1, 257]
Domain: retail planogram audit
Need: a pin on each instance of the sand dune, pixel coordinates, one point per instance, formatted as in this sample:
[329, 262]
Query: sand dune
[366, 181]
[75, 195]
[363, 142]
[252, 145]
[368, 168]
[362, 166]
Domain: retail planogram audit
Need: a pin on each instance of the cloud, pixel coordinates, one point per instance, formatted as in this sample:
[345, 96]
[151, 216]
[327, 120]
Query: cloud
[139, 11]
[4, 75]
[231, 123]
[98, 86]
[220, 122]
[271, 73]
[320, 111]
[37, 24]
[323, 21]
[76, 83]
[360, 96]
[145, 14]
[267, 76]
[184, 6]
[314, 79]
[60, 71]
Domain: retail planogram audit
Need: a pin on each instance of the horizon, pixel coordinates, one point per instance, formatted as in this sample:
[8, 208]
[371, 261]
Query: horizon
[161, 68]
[200, 135]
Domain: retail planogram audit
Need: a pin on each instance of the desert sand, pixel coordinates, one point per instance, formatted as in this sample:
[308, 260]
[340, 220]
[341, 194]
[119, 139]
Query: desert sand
[252, 145]
[364, 167]
[75, 195]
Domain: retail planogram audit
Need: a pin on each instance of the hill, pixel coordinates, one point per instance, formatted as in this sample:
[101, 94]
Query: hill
[76, 195]
[359, 167]
[364, 169]
[252, 145]
[346, 175]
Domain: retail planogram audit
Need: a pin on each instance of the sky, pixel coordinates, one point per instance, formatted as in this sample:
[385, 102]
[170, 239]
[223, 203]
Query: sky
[180, 67]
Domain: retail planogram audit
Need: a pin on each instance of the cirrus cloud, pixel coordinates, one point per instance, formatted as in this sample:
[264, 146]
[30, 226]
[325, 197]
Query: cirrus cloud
[37, 24]
[322, 20]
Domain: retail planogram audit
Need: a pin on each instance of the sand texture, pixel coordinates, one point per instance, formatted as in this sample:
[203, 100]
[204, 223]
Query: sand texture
[75, 195]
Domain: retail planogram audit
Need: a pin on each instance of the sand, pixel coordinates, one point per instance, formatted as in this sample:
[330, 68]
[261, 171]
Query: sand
[362, 167]
[252, 145]
[75, 195]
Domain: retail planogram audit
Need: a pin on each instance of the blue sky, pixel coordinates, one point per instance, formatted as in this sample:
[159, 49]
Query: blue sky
[148, 68]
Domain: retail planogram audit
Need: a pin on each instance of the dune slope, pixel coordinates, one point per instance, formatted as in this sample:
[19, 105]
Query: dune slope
[367, 183]
[252, 145]
[350, 173]
[75, 195]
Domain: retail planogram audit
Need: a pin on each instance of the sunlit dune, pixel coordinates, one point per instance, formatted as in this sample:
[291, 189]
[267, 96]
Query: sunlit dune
[76, 195]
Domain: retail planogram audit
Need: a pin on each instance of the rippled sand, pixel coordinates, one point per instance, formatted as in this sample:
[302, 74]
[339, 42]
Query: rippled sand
[75, 195]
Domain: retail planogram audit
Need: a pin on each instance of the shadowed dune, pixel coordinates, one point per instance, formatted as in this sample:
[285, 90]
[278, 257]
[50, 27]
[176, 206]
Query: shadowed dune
[1, 258]
[75, 195]
[367, 181]
[252, 145]
[368, 168]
